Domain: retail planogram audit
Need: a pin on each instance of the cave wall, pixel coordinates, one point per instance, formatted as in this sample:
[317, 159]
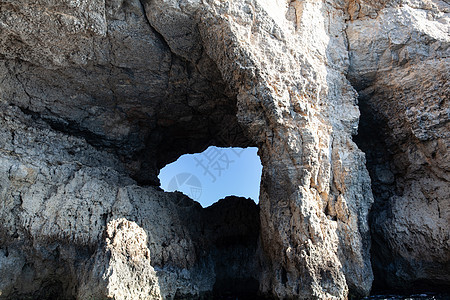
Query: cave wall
[98, 70]
[301, 112]
[76, 226]
[402, 76]
[97, 96]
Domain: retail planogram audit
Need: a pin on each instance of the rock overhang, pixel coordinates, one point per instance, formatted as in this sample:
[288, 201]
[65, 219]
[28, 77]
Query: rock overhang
[143, 94]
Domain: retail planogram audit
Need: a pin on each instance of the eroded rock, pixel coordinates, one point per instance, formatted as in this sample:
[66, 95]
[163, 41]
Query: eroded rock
[96, 96]
[114, 81]
[400, 63]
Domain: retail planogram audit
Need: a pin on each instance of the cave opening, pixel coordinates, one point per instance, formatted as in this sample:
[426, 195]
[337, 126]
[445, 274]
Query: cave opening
[371, 141]
[214, 174]
[387, 167]
[225, 181]
[205, 153]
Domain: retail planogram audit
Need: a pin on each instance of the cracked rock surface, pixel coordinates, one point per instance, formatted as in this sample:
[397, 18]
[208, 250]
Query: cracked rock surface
[97, 96]
[76, 227]
[400, 65]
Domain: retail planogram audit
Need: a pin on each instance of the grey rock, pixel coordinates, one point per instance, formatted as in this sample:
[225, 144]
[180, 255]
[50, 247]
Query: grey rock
[400, 64]
[114, 82]
[311, 247]
[97, 96]
[76, 227]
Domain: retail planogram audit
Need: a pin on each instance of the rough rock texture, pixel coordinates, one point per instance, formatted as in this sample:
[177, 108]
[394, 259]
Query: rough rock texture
[298, 107]
[96, 96]
[400, 65]
[74, 227]
[96, 69]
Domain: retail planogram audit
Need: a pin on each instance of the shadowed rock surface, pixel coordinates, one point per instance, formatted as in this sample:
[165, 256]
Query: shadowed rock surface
[97, 96]
[402, 75]
[120, 240]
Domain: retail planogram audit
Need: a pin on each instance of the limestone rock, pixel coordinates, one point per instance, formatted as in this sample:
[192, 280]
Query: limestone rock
[97, 96]
[98, 70]
[301, 114]
[400, 64]
[75, 227]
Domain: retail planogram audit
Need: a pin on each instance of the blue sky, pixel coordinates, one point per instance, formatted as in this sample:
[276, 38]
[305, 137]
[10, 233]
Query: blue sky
[214, 174]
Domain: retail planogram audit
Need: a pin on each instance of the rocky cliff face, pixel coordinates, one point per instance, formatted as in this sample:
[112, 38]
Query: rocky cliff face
[400, 65]
[76, 227]
[96, 96]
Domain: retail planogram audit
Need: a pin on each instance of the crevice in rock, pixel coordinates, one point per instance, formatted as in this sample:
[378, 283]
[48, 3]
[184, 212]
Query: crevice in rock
[393, 166]
[71, 128]
[159, 35]
[371, 140]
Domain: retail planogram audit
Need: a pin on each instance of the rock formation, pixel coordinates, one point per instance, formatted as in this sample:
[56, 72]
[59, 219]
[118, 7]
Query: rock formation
[400, 66]
[76, 227]
[97, 96]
